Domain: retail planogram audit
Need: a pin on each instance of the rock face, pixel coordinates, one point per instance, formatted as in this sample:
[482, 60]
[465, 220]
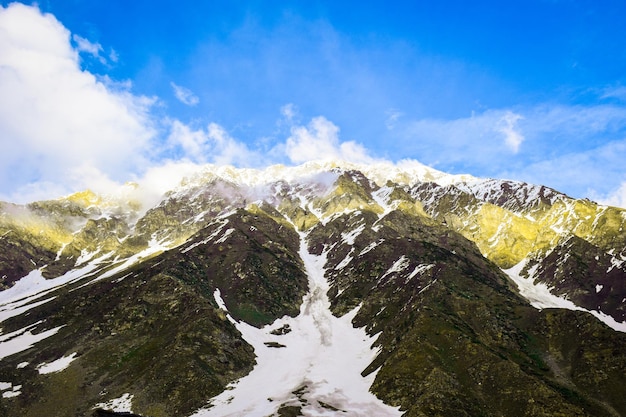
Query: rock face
[108, 307]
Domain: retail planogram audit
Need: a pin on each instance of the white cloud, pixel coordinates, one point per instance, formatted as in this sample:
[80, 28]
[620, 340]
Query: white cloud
[56, 118]
[113, 55]
[192, 143]
[512, 137]
[159, 179]
[288, 111]
[289, 116]
[185, 95]
[228, 151]
[578, 124]
[320, 140]
[63, 129]
[212, 144]
[84, 45]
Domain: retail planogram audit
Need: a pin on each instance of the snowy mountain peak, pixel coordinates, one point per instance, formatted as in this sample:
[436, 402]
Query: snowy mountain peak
[405, 172]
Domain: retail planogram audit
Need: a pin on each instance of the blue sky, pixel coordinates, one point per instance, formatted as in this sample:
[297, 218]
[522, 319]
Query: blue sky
[100, 92]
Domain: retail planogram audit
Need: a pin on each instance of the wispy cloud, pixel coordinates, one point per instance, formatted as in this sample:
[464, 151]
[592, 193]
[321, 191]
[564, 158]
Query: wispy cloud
[94, 49]
[185, 95]
[84, 45]
[595, 172]
[576, 149]
[289, 111]
[393, 115]
[113, 55]
[478, 140]
[618, 92]
[512, 136]
[616, 198]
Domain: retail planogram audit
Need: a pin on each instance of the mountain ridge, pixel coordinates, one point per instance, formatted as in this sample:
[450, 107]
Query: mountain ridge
[418, 258]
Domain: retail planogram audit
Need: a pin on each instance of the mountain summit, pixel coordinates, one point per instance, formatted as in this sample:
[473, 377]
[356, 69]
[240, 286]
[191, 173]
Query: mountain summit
[319, 290]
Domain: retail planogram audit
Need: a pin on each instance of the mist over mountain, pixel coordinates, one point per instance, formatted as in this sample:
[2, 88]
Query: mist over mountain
[329, 288]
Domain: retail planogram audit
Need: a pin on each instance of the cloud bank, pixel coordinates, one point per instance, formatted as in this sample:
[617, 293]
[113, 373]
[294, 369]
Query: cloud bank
[63, 129]
[56, 119]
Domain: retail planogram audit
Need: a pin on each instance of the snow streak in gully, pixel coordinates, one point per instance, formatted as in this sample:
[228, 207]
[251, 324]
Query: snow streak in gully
[313, 361]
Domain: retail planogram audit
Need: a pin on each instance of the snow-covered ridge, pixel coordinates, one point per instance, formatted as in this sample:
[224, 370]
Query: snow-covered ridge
[508, 193]
[404, 172]
[132, 200]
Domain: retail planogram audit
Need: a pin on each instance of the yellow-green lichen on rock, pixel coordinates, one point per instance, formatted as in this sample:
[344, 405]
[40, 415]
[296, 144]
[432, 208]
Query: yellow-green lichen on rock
[347, 196]
[400, 199]
[126, 198]
[271, 212]
[507, 237]
[299, 217]
[42, 230]
[85, 198]
[504, 237]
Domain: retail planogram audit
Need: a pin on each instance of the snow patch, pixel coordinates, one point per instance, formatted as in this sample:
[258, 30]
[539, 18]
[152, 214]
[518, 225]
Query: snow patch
[10, 390]
[122, 404]
[371, 246]
[217, 295]
[348, 237]
[225, 236]
[420, 269]
[154, 247]
[615, 263]
[398, 266]
[346, 261]
[8, 310]
[57, 365]
[207, 240]
[23, 339]
[428, 286]
[85, 256]
[599, 288]
[381, 196]
[34, 286]
[540, 297]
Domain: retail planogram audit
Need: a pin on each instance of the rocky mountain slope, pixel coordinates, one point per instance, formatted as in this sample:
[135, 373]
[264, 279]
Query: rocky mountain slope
[325, 289]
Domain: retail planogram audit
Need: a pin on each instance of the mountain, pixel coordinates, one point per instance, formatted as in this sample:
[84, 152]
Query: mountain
[327, 289]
